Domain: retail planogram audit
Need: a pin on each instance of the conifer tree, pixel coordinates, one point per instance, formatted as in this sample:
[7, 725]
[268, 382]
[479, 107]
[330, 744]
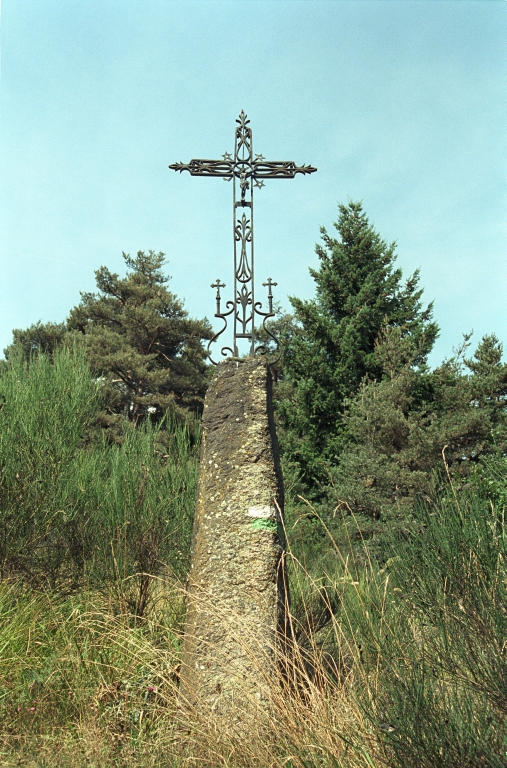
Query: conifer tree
[39, 338]
[489, 386]
[329, 347]
[141, 341]
[411, 426]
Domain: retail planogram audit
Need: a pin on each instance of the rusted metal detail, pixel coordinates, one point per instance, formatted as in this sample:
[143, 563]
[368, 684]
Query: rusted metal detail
[246, 170]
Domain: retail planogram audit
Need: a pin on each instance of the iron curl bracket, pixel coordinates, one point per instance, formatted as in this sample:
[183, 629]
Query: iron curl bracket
[223, 316]
[260, 349]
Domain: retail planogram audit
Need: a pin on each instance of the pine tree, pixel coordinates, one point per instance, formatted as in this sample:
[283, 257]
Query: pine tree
[489, 387]
[329, 348]
[411, 427]
[39, 338]
[140, 340]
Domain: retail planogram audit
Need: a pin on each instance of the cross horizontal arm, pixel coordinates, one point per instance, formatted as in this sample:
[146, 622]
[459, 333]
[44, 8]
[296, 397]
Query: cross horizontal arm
[221, 168]
[279, 169]
[225, 169]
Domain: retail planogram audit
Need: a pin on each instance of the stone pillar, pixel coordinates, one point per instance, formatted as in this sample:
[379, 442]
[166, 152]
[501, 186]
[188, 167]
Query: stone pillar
[237, 587]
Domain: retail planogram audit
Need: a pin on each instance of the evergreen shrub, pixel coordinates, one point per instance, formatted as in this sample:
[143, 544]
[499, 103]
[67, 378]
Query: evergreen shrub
[73, 507]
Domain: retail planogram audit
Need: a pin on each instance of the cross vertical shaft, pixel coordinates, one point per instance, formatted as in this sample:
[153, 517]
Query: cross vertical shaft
[244, 287]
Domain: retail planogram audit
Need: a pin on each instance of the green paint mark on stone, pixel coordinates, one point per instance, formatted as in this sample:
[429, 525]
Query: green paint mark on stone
[261, 524]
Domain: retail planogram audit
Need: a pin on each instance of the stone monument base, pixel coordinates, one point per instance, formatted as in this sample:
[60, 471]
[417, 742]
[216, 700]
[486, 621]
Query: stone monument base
[237, 595]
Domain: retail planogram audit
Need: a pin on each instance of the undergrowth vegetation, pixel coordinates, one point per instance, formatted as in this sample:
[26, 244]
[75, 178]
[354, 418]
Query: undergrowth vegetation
[76, 509]
[398, 663]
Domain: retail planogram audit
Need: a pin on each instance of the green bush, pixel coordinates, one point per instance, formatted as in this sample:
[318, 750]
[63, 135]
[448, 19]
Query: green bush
[433, 627]
[75, 508]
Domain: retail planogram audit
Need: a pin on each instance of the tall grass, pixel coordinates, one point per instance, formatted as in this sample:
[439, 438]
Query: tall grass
[423, 641]
[447, 696]
[400, 666]
[75, 509]
[405, 666]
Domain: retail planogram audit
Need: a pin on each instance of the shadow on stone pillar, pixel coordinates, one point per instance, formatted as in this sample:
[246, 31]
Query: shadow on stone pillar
[236, 628]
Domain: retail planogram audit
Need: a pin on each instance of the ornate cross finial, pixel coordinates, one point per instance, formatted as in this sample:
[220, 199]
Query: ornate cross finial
[218, 285]
[250, 171]
[269, 284]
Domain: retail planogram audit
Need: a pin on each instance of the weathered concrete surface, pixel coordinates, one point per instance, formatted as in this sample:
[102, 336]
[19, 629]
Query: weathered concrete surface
[236, 589]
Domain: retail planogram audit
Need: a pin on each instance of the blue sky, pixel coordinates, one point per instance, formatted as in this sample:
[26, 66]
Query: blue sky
[400, 104]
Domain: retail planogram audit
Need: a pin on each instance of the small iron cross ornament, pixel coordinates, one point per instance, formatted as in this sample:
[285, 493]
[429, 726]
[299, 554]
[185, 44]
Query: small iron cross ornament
[249, 171]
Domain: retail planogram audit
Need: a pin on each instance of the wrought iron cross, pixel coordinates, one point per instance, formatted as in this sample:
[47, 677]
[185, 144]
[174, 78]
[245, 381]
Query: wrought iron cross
[249, 171]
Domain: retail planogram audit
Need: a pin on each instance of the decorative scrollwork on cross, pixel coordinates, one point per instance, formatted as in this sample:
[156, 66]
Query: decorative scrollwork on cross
[249, 171]
[243, 234]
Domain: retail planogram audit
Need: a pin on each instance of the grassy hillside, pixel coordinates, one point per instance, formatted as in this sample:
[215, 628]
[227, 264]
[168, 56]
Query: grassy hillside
[396, 666]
